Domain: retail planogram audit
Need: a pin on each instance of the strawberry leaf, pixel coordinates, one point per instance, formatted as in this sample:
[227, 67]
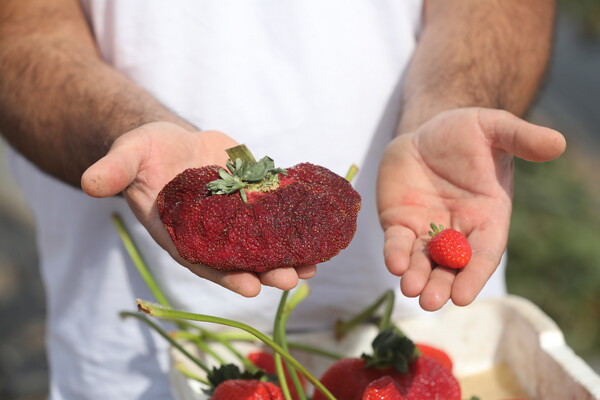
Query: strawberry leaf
[227, 372]
[259, 175]
[259, 170]
[227, 184]
[435, 229]
[391, 348]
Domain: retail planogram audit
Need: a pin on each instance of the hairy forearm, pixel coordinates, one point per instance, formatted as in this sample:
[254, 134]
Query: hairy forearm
[486, 53]
[60, 104]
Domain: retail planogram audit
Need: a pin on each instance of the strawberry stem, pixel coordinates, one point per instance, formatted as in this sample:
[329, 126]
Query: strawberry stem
[159, 311]
[181, 368]
[204, 335]
[342, 328]
[435, 229]
[165, 335]
[246, 337]
[197, 340]
[279, 333]
[242, 152]
[386, 318]
[245, 173]
[144, 271]
[244, 360]
[314, 350]
[138, 260]
[352, 171]
[279, 338]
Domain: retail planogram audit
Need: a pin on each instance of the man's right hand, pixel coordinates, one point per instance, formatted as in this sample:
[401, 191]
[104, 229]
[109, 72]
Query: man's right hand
[142, 161]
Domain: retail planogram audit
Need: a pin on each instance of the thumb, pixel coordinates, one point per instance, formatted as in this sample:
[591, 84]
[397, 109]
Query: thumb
[112, 173]
[521, 138]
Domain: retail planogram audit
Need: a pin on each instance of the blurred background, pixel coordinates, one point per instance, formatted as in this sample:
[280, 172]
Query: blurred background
[554, 244]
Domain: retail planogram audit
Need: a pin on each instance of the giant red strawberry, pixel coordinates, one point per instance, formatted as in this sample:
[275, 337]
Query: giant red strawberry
[417, 377]
[448, 247]
[256, 217]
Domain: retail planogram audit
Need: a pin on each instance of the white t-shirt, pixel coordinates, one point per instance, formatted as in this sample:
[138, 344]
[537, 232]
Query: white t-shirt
[295, 80]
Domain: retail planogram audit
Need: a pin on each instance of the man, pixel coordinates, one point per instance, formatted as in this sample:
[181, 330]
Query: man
[119, 97]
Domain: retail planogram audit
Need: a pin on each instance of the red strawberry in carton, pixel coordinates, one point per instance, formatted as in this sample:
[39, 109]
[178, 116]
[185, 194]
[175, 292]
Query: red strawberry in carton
[437, 354]
[244, 389]
[417, 377]
[256, 217]
[384, 388]
[228, 382]
[429, 380]
[266, 362]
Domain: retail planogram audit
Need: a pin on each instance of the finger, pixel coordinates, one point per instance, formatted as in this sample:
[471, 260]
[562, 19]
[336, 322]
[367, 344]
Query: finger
[281, 278]
[473, 278]
[437, 291]
[114, 172]
[397, 247]
[488, 246]
[416, 276]
[244, 283]
[306, 271]
[521, 138]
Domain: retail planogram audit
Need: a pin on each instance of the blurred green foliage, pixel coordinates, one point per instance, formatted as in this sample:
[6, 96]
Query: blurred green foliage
[586, 11]
[554, 245]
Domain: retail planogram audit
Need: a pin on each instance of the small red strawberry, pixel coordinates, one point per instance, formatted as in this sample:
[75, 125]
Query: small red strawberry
[448, 247]
[384, 388]
[256, 217]
[245, 389]
[436, 353]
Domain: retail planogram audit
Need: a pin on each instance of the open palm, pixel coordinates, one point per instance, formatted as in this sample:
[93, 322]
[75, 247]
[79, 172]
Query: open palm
[145, 159]
[455, 170]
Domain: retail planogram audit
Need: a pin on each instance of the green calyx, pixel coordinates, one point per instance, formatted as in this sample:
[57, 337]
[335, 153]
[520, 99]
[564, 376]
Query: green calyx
[435, 229]
[245, 173]
[227, 372]
[391, 348]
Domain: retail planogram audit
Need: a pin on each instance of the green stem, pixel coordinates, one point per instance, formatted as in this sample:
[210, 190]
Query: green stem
[343, 327]
[244, 360]
[352, 171]
[180, 367]
[279, 338]
[197, 340]
[246, 337]
[386, 316]
[242, 152]
[297, 297]
[159, 311]
[165, 335]
[314, 350]
[287, 307]
[138, 260]
[204, 335]
[222, 337]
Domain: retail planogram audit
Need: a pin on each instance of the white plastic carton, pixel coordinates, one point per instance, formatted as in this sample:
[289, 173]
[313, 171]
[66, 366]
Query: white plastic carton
[501, 349]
